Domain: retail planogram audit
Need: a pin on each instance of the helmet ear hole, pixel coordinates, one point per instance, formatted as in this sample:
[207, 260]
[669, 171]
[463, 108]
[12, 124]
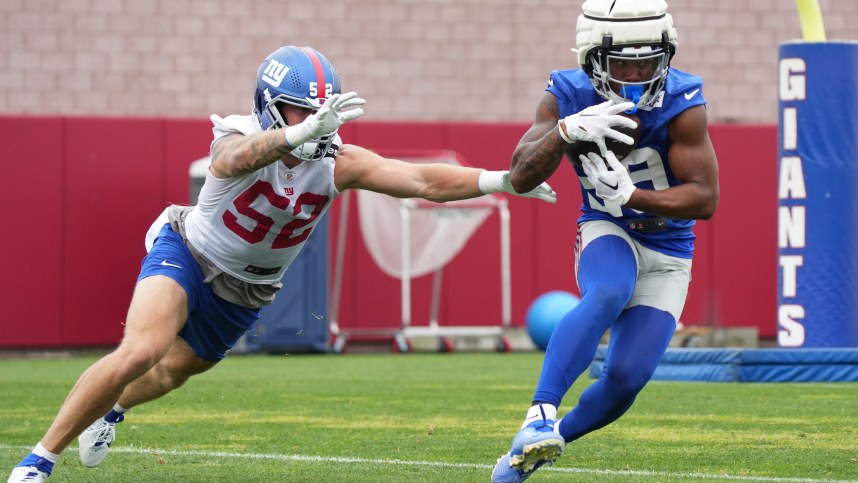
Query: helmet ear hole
[667, 46]
[588, 64]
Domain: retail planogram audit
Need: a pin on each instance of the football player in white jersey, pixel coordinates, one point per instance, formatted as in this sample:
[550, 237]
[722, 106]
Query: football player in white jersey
[635, 240]
[210, 268]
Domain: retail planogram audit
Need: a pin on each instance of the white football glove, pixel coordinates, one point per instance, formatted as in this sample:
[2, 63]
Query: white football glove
[330, 116]
[498, 182]
[596, 123]
[613, 185]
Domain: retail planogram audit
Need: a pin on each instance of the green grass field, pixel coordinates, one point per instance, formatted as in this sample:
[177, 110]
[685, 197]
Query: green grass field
[429, 417]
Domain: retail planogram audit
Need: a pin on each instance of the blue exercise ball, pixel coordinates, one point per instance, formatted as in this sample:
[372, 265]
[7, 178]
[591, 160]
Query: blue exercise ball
[545, 313]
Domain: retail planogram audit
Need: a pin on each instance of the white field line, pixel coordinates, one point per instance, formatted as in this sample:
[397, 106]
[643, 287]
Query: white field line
[440, 464]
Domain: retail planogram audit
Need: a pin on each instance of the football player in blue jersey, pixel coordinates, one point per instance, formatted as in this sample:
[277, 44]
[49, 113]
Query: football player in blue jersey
[211, 267]
[634, 244]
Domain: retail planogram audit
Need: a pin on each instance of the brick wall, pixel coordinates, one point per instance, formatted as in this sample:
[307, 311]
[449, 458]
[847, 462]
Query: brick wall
[469, 60]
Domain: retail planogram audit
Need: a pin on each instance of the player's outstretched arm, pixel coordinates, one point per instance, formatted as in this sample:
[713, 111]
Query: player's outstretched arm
[359, 168]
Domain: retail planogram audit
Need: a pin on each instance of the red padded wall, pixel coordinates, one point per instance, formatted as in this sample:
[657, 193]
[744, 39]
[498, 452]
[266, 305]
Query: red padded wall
[370, 298]
[543, 234]
[32, 242]
[185, 141]
[698, 310]
[78, 245]
[471, 293]
[74, 250]
[113, 189]
[744, 247]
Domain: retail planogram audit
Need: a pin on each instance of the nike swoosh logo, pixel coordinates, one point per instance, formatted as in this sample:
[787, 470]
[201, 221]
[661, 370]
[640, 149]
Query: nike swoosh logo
[689, 95]
[168, 264]
[609, 186]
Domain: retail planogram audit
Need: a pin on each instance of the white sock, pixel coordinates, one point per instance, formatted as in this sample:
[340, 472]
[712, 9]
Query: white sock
[539, 412]
[119, 409]
[40, 450]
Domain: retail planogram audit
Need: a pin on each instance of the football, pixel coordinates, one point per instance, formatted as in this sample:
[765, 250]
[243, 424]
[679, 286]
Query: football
[619, 149]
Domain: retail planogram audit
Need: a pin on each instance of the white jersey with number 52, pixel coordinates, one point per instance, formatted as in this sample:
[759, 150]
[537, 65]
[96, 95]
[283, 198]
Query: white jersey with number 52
[253, 226]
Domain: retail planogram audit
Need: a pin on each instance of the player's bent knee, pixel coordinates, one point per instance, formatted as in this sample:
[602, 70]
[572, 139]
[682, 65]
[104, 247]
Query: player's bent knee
[611, 295]
[174, 377]
[166, 379]
[175, 371]
[175, 381]
[628, 382]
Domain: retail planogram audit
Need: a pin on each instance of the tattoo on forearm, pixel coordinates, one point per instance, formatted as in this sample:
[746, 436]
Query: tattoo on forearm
[253, 152]
[545, 159]
[542, 158]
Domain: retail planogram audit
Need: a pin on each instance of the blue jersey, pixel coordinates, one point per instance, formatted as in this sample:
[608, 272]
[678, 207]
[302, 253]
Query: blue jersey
[647, 164]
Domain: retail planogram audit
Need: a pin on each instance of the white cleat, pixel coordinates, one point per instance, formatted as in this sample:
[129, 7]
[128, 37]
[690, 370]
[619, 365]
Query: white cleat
[27, 474]
[95, 441]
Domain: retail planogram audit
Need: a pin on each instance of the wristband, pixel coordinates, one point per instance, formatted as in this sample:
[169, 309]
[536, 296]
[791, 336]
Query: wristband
[491, 182]
[295, 135]
[286, 138]
[562, 132]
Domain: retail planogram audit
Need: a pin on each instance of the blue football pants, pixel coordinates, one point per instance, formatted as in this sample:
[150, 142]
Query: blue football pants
[607, 273]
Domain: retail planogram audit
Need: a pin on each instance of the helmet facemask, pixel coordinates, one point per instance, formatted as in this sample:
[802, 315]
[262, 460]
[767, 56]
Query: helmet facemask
[635, 73]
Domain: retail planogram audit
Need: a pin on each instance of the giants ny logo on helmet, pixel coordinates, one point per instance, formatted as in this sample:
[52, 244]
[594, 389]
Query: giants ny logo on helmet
[274, 73]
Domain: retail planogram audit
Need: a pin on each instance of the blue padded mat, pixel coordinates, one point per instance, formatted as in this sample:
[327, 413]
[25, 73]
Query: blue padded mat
[750, 365]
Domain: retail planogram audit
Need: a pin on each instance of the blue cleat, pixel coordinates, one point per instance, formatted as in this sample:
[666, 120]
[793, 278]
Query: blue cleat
[535, 444]
[503, 471]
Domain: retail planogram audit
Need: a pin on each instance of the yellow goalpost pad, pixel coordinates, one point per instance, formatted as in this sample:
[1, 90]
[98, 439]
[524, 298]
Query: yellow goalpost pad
[812, 27]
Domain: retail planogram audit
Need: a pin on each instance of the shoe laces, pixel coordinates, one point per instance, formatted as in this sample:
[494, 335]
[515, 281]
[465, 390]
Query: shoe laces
[102, 432]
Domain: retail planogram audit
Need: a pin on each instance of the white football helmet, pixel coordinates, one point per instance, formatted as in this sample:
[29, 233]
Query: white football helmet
[611, 33]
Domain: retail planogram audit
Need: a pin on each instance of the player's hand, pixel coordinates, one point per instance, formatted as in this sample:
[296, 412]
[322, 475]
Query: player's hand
[596, 123]
[613, 185]
[498, 181]
[330, 116]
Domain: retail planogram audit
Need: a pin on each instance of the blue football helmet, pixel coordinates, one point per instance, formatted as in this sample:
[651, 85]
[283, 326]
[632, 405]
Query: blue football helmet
[300, 76]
